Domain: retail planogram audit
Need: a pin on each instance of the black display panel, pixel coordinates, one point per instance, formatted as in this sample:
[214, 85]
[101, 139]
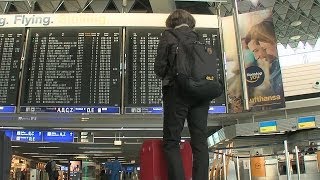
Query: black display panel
[11, 46]
[142, 87]
[72, 70]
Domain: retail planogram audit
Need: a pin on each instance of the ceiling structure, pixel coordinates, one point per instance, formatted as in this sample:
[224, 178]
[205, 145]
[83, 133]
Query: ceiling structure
[295, 20]
[286, 15]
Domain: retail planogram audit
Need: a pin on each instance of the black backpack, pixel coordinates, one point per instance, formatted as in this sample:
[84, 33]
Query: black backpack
[195, 68]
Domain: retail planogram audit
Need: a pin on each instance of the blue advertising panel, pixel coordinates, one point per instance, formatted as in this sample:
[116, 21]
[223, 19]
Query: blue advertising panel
[7, 109]
[27, 136]
[58, 136]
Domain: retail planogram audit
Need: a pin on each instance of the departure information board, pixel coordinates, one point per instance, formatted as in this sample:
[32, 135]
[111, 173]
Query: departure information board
[143, 88]
[11, 44]
[72, 70]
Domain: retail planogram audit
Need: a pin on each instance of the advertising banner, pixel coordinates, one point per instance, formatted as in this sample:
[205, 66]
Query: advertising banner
[97, 19]
[260, 56]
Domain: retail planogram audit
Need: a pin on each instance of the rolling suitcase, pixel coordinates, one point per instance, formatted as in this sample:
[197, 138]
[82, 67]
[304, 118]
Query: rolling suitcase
[153, 165]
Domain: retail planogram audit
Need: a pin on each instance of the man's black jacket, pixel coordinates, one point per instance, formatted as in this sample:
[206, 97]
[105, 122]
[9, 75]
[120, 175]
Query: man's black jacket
[166, 52]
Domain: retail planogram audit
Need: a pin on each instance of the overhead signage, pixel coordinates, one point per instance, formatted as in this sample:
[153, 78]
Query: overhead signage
[217, 109]
[144, 110]
[86, 137]
[40, 136]
[58, 136]
[8, 133]
[71, 110]
[268, 126]
[306, 122]
[27, 136]
[7, 109]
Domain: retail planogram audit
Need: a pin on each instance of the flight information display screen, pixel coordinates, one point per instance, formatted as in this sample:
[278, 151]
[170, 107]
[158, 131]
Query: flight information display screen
[11, 46]
[72, 70]
[142, 87]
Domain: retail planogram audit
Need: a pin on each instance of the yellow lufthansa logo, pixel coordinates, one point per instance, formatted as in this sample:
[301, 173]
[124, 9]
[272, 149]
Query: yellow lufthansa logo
[209, 50]
[210, 78]
[268, 129]
[306, 125]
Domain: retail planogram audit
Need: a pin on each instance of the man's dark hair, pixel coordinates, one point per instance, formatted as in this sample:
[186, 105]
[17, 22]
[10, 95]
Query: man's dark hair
[179, 17]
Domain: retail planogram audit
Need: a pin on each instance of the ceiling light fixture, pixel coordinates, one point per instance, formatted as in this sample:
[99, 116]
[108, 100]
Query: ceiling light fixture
[48, 147]
[126, 137]
[81, 157]
[100, 148]
[4, 127]
[101, 152]
[30, 153]
[122, 129]
[204, 0]
[44, 156]
[295, 37]
[296, 23]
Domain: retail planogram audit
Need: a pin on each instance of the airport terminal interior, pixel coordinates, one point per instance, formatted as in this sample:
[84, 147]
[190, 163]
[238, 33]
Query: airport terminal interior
[77, 87]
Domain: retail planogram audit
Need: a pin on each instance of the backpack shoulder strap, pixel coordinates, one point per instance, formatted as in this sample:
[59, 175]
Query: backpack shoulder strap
[171, 31]
[173, 64]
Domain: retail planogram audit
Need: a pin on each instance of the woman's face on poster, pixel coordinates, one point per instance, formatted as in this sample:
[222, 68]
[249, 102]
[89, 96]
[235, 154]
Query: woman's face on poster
[270, 49]
[258, 51]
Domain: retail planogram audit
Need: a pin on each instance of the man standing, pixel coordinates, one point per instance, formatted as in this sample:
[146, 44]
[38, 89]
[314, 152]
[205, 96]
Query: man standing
[178, 106]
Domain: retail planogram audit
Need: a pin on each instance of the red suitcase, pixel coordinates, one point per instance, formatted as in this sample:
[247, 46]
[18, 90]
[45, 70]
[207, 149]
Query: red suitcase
[153, 164]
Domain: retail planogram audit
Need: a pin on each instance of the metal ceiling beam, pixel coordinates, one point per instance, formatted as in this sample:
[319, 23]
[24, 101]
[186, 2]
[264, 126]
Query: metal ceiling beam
[46, 6]
[124, 7]
[163, 6]
[4, 6]
[72, 6]
[23, 7]
[82, 3]
[98, 6]
[86, 6]
[57, 5]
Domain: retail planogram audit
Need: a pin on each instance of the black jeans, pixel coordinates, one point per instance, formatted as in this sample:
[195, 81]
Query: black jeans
[177, 108]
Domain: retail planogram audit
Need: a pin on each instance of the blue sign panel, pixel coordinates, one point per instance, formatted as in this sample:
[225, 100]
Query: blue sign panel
[217, 109]
[8, 133]
[27, 136]
[129, 169]
[268, 126]
[7, 109]
[306, 122]
[72, 109]
[144, 110]
[58, 136]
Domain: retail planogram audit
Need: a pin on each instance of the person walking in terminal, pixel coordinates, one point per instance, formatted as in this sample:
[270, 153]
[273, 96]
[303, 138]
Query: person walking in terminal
[178, 106]
[114, 169]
